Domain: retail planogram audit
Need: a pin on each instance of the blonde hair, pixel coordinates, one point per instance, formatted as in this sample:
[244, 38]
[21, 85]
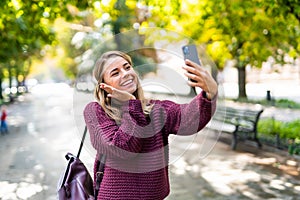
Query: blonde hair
[101, 95]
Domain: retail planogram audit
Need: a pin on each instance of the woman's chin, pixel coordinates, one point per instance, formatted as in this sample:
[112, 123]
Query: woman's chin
[130, 89]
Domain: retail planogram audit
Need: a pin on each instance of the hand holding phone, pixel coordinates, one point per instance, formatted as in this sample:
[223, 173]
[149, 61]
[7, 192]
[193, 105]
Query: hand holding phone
[190, 52]
[194, 70]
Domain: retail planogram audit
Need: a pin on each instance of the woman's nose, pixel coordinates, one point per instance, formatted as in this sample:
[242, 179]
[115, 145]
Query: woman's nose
[124, 73]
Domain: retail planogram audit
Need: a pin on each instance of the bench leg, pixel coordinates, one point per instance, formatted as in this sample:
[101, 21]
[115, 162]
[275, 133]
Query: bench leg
[234, 140]
[259, 145]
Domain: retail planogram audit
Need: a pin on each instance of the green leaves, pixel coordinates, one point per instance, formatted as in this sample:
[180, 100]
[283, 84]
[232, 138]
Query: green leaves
[288, 130]
[247, 31]
[26, 27]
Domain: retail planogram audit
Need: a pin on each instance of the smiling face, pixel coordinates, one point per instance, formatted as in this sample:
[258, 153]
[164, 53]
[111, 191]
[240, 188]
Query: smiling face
[120, 75]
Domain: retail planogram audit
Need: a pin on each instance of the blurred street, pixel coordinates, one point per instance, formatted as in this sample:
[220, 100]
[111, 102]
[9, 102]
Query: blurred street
[46, 124]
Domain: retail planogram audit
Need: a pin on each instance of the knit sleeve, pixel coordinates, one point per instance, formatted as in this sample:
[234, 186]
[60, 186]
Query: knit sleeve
[108, 137]
[187, 119]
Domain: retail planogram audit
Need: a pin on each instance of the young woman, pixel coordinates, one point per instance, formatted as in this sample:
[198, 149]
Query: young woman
[133, 131]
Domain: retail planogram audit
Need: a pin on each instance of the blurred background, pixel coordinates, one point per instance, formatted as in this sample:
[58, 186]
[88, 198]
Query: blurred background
[48, 50]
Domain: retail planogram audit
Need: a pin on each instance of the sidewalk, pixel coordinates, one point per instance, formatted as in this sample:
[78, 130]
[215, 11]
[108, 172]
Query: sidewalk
[247, 173]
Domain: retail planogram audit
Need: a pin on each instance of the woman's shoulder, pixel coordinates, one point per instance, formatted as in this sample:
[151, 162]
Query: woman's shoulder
[92, 106]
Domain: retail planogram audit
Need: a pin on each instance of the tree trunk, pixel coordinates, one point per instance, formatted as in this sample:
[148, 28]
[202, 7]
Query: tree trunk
[11, 99]
[242, 82]
[299, 69]
[9, 77]
[1, 95]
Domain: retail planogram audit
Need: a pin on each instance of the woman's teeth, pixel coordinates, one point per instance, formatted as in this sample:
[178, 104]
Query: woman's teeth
[127, 82]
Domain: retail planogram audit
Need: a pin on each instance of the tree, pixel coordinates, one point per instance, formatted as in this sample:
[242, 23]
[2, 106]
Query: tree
[239, 29]
[247, 32]
[287, 14]
[111, 27]
[25, 28]
[22, 35]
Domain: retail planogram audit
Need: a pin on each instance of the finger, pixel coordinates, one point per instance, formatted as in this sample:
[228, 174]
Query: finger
[103, 86]
[192, 76]
[112, 90]
[199, 82]
[192, 84]
[198, 68]
[191, 70]
[106, 87]
[191, 63]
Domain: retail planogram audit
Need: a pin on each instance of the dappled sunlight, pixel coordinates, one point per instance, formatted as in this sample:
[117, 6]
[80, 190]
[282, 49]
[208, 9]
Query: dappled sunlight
[179, 166]
[277, 184]
[289, 166]
[265, 161]
[223, 177]
[249, 194]
[38, 167]
[242, 175]
[229, 177]
[31, 129]
[7, 190]
[217, 183]
[15, 120]
[26, 190]
[291, 163]
[22, 190]
[194, 168]
[29, 178]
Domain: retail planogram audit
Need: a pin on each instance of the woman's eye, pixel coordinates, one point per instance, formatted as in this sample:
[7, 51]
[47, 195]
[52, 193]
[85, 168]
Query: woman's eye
[115, 74]
[128, 67]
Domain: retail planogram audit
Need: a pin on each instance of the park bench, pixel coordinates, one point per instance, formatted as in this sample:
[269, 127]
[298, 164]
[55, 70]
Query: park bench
[242, 123]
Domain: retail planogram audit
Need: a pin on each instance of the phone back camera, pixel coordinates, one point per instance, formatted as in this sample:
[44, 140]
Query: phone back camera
[186, 50]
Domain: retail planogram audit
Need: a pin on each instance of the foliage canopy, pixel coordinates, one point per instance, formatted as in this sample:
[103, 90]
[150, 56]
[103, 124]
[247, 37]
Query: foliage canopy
[247, 31]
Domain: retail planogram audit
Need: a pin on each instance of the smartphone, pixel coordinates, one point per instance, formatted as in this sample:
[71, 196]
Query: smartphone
[190, 52]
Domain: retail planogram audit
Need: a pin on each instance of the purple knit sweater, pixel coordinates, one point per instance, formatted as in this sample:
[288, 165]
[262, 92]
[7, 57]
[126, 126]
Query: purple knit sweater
[137, 147]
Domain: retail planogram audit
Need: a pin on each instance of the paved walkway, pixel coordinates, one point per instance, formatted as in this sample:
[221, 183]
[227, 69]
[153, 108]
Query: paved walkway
[201, 166]
[220, 173]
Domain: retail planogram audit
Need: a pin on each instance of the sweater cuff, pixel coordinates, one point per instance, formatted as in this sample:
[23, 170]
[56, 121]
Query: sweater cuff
[204, 96]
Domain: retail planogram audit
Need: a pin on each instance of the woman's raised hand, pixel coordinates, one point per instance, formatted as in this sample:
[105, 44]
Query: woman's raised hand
[115, 93]
[201, 78]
